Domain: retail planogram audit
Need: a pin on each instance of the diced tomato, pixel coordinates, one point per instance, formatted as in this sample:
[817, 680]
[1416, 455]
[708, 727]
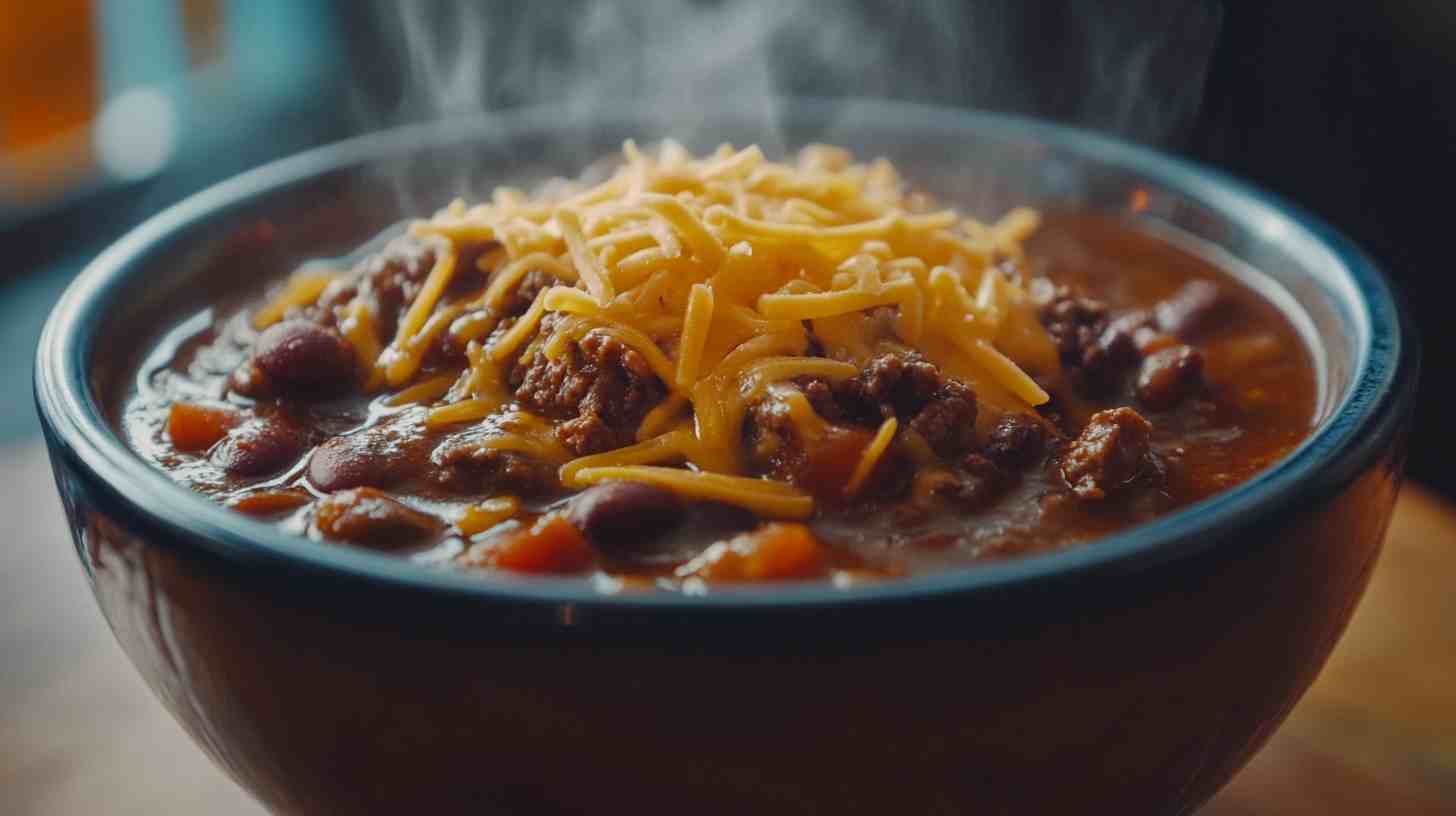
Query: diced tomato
[779, 551]
[194, 427]
[551, 546]
[831, 460]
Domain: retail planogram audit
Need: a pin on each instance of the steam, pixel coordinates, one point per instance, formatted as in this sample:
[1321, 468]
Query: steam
[1135, 69]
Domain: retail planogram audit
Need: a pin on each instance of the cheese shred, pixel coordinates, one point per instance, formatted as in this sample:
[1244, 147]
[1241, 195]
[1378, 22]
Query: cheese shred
[301, 290]
[727, 277]
[873, 452]
[696, 322]
[767, 498]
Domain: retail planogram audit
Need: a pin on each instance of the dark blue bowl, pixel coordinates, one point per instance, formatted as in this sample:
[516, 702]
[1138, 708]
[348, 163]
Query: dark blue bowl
[1134, 673]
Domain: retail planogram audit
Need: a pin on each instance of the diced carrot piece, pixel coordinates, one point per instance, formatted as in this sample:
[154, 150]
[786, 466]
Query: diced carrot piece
[268, 502]
[551, 546]
[779, 551]
[194, 427]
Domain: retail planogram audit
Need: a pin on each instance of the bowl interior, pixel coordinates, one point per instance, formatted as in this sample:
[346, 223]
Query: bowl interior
[205, 252]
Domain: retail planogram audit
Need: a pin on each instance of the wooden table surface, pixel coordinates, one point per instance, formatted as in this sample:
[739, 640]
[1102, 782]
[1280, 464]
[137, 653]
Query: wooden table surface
[80, 733]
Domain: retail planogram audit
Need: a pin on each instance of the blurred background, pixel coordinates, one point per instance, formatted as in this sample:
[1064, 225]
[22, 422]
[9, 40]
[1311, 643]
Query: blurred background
[110, 110]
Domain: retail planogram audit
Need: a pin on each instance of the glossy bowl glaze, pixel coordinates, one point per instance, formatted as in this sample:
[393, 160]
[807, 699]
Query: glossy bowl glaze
[1134, 674]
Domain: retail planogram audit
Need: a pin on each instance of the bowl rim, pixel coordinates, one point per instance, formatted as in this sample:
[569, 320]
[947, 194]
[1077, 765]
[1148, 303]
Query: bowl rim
[1357, 431]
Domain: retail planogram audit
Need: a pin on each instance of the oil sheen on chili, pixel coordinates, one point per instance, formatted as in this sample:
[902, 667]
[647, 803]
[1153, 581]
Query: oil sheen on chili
[1179, 380]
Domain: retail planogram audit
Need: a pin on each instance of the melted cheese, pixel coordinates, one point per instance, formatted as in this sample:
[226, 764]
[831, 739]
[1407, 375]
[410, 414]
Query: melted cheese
[713, 270]
[673, 445]
[764, 497]
[478, 518]
[358, 328]
[424, 391]
[505, 347]
[871, 456]
[697, 320]
[301, 290]
[429, 295]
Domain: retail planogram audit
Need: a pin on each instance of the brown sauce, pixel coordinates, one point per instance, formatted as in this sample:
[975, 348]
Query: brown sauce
[356, 470]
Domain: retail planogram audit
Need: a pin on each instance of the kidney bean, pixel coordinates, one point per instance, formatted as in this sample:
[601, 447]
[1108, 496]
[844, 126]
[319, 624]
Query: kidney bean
[1192, 309]
[621, 518]
[370, 517]
[1110, 454]
[299, 357]
[258, 447]
[344, 462]
[719, 520]
[377, 456]
[1169, 376]
[247, 380]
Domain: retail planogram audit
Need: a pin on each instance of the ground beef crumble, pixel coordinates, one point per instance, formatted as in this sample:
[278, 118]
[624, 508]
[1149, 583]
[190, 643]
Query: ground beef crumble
[907, 386]
[599, 389]
[464, 465]
[979, 481]
[903, 385]
[599, 385]
[1096, 351]
[1110, 455]
[1017, 441]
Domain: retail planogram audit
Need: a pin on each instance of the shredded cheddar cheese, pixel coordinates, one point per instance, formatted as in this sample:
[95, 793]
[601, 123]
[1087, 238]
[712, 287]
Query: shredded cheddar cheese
[871, 456]
[468, 410]
[301, 290]
[763, 496]
[358, 329]
[696, 322]
[424, 302]
[423, 391]
[504, 348]
[730, 275]
[478, 518]
[678, 444]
